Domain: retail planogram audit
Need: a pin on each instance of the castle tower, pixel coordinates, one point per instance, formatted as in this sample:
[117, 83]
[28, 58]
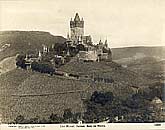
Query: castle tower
[76, 28]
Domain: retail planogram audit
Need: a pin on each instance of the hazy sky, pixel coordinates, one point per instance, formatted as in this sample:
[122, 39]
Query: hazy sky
[122, 22]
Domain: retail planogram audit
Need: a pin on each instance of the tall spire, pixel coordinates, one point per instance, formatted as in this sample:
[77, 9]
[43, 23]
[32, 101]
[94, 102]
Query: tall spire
[106, 43]
[39, 55]
[82, 19]
[100, 42]
[68, 35]
[77, 18]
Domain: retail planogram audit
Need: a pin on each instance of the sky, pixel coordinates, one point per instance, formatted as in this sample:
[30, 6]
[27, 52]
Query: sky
[121, 22]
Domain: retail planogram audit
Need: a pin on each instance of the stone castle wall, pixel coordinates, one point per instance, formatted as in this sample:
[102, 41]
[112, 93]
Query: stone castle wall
[88, 55]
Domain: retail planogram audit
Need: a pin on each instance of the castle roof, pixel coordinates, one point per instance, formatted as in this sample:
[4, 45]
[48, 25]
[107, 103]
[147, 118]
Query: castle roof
[77, 18]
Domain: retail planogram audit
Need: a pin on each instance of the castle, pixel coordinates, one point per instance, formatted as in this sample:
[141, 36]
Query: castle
[87, 51]
[91, 52]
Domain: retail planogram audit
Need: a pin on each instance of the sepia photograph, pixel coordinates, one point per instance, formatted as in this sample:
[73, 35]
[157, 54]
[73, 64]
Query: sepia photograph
[82, 64]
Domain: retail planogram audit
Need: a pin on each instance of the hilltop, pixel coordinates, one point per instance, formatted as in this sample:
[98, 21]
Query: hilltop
[139, 51]
[147, 61]
[14, 42]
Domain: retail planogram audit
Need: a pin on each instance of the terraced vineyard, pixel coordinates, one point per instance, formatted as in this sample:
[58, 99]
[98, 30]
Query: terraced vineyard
[34, 94]
[106, 69]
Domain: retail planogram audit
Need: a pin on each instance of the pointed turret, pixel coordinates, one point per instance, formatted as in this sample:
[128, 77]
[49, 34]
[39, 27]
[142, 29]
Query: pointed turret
[26, 57]
[106, 43]
[82, 19]
[45, 49]
[68, 52]
[68, 36]
[100, 42]
[39, 54]
[77, 18]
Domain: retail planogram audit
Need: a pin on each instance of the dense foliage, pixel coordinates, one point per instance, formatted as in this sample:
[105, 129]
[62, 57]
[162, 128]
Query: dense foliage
[20, 61]
[42, 67]
[103, 106]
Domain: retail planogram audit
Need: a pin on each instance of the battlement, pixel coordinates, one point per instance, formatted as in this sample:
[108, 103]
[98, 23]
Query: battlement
[77, 22]
[74, 24]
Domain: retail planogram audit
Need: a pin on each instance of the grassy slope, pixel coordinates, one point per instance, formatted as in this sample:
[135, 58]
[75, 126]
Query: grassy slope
[154, 70]
[9, 83]
[126, 52]
[19, 82]
[106, 69]
[146, 61]
[23, 41]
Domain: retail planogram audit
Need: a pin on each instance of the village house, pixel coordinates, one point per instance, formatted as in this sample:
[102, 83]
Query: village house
[157, 108]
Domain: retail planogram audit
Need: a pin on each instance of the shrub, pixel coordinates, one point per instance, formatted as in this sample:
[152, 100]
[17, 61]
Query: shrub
[20, 61]
[42, 67]
[102, 98]
[67, 114]
[20, 120]
[54, 118]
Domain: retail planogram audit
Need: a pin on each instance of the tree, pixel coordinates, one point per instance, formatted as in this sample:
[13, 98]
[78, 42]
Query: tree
[54, 118]
[98, 107]
[102, 98]
[42, 67]
[60, 48]
[67, 115]
[136, 101]
[20, 61]
[80, 47]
